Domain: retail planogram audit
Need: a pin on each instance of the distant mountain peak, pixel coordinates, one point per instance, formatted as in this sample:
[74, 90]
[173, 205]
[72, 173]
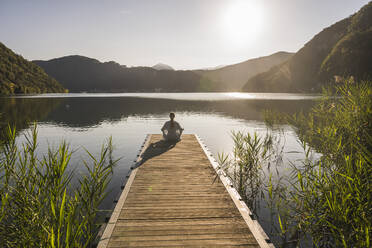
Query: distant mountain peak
[161, 66]
[75, 58]
[213, 68]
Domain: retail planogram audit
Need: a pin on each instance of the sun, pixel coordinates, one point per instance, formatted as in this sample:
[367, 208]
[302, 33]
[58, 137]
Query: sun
[242, 21]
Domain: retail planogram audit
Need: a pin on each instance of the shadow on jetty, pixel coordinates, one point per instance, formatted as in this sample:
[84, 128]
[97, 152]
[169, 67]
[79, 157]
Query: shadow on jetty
[155, 149]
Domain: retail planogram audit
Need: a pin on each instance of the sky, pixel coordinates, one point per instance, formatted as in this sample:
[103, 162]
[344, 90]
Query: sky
[187, 34]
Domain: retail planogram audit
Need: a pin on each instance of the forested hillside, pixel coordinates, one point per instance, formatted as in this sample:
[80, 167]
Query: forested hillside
[17, 75]
[233, 77]
[343, 49]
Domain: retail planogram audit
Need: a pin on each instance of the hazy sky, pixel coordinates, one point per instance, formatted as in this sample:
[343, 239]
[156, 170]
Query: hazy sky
[185, 34]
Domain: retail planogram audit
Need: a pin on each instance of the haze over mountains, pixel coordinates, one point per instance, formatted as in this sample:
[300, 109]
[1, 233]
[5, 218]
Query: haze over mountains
[343, 49]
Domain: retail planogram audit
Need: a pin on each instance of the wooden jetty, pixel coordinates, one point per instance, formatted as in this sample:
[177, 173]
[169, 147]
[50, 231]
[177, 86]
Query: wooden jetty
[173, 199]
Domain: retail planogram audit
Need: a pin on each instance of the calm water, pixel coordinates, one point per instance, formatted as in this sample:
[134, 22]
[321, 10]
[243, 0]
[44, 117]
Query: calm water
[86, 120]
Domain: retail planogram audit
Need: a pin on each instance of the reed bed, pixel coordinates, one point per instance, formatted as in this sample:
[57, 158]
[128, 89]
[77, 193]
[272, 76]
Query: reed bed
[39, 208]
[323, 202]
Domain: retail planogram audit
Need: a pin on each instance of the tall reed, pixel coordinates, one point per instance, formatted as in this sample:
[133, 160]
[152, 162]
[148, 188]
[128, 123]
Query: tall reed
[245, 167]
[332, 196]
[326, 200]
[38, 206]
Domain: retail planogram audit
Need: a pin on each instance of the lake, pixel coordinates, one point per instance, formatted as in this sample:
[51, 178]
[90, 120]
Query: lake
[87, 120]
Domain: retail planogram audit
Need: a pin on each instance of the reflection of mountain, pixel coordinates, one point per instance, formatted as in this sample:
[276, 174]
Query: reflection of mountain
[20, 112]
[86, 112]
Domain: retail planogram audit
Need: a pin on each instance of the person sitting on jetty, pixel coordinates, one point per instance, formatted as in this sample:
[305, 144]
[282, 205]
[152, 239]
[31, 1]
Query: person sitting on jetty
[172, 130]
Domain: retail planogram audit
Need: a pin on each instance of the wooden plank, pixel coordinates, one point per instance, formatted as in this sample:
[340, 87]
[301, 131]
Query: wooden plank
[180, 229]
[186, 242]
[182, 222]
[176, 199]
[104, 240]
[175, 237]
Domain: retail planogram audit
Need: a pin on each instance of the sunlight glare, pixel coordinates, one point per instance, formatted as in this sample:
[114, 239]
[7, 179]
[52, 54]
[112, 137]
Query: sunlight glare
[242, 21]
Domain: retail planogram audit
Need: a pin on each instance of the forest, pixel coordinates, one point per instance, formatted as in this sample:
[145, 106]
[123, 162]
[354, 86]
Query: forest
[19, 76]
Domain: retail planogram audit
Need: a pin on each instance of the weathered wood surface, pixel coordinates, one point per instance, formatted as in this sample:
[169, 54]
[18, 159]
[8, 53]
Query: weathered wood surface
[173, 200]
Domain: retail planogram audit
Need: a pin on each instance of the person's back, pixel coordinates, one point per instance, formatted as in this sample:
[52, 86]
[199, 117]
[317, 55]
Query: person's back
[172, 130]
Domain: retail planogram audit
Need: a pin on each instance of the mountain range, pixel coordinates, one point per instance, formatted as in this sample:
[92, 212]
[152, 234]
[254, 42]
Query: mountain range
[342, 50]
[79, 73]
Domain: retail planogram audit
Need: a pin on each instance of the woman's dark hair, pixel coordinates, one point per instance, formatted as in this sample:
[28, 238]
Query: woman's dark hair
[170, 115]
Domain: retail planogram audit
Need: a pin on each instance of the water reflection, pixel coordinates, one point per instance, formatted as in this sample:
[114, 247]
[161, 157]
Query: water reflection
[84, 112]
[89, 112]
[221, 96]
[19, 112]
